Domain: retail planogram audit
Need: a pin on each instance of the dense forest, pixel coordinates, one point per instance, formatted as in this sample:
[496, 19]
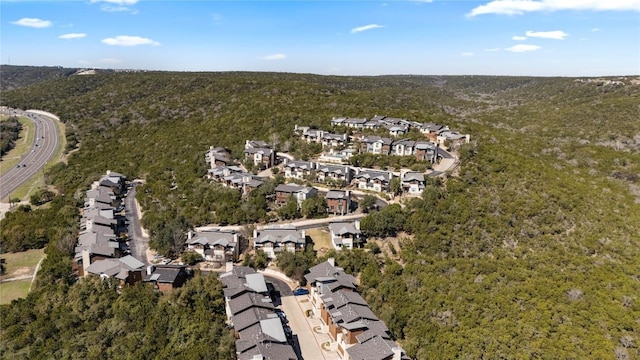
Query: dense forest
[9, 133]
[529, 250]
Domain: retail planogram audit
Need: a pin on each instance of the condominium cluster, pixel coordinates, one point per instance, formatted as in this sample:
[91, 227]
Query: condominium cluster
[102, 247]
[356, 332]
[259, 327]
[102, 224]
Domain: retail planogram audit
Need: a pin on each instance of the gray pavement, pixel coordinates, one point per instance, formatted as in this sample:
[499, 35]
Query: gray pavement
[309, 338]
[138, 242]
[44, 146]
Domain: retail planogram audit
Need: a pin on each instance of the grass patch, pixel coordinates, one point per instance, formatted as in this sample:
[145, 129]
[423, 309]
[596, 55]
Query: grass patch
[12, 290]
[21, 263]
[321, 238]
[23, 144]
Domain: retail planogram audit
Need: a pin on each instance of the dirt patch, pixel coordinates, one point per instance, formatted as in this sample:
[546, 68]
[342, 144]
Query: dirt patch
[22, 271]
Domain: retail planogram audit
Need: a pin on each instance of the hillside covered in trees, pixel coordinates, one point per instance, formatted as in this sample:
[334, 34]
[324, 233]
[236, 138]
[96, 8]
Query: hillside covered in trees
[530, 250]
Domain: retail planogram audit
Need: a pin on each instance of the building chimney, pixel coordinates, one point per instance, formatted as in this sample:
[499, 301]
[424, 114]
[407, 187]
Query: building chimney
[228, 266]
[86, 261]
[331, 261]
[189, 235]
[150, 269]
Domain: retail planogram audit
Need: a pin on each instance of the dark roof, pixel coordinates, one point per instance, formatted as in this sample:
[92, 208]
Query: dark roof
[325, 271]
[336, 194]
[373, 138]
[249, 300]
[375, 348]
[342, 228]
[268, 351]
[251, 317]
[166, 274]
[413, 175]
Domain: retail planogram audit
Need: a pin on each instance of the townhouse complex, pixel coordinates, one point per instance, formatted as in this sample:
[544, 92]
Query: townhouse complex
[355, 331]
[102, 246]
[258, 326]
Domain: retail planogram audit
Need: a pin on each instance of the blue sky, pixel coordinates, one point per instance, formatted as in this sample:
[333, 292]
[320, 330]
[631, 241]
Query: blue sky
[484, 37]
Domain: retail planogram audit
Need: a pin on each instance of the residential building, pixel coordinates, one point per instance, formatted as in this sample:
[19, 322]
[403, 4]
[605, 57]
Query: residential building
[374, 180]
[376, 145]
[234, 177]
[299, 192]
[426, 151]
[346, 235]
[338, 202]
[166, 277]
[339, 175]
[128, 270]
[431, 130]
[330, 140]
[101, 223]
[346, 317]
[258, 330]
[273, 241]
[215, 245]
[301, 170]
[454, 137]
[262, 157]
[404, 147]
[413, 183]
[217, 156]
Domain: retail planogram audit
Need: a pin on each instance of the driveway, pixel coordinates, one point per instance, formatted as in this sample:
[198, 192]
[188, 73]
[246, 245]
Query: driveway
[308, 339]
[138, 241]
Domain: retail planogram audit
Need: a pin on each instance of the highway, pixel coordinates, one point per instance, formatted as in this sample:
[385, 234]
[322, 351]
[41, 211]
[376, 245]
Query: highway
[45, 143]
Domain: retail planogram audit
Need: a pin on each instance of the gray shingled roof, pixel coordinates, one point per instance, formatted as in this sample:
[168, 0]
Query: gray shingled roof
[373, 174]
[167, 274]
[280, 236]
[336, 194]
[413, 175]
[268, 351]
[375, 348]
[305, 165]
[112, 267]
[292, 188]
[248, 300]
[251, 317]
[343, 228]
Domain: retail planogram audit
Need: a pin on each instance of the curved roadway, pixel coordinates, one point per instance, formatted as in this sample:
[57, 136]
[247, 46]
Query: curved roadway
[45, 143]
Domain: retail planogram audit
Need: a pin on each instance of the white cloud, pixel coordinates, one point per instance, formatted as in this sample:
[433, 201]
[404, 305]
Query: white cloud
[274, 57]
[117, 2]
[109, 8]
[72, 36]
[556, 35]
[125, 40]
[467, 53]
[523, 48]
[519, 38]
[519, 7]
[33, 22]
[492, 49]
[596, 29]
[365, 28]
[117, 5]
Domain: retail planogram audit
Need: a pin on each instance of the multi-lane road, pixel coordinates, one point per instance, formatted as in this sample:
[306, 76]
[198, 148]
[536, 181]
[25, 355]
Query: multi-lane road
[44, 146]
